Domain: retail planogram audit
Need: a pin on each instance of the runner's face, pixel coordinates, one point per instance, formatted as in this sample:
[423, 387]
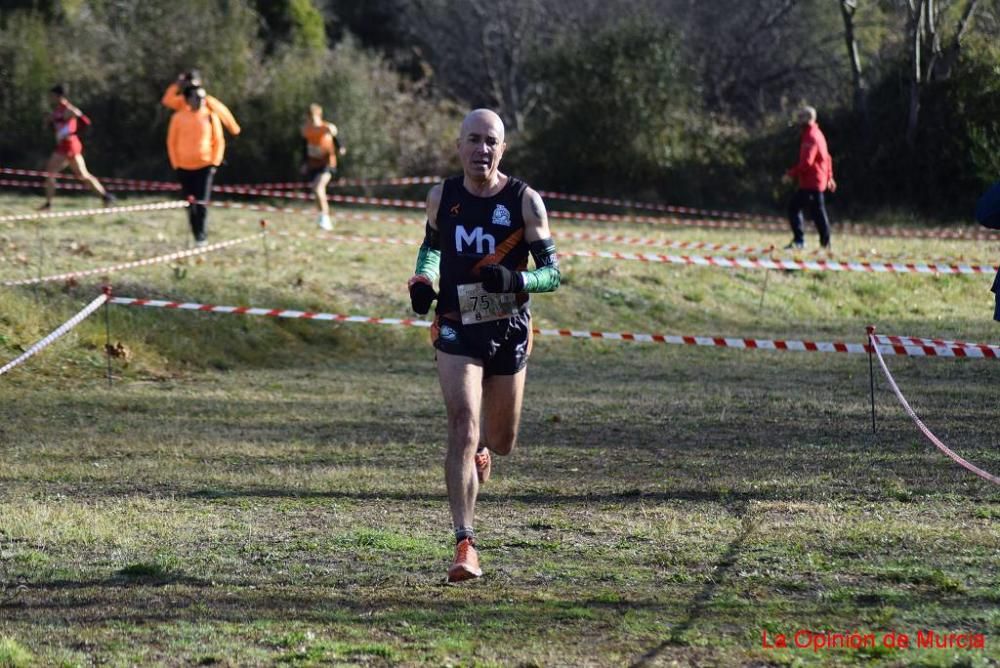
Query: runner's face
[480, 147]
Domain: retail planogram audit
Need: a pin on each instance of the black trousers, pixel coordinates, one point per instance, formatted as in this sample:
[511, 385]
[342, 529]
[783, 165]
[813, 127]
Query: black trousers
[197, 183]
[815, 202]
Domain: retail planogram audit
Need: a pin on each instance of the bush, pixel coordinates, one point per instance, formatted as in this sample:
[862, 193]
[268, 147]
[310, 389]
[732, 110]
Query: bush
[621, 115]
[386, 128]
[125, 53]
[956, 151]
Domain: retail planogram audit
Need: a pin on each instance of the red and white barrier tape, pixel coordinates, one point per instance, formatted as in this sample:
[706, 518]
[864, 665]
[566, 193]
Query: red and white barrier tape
[351, 238]
[920, 425]
[237, 190]
[145, 184]
[260, 207]
[972, 234]
[347, 199]
[74, 185]
[335, 215]
[415, 204]
[575, 236]
[273, 313]
[748, 262]
[936, 347]
[75, 213]
[150, 183]
[159, 259]
[389, 181]
[896, 258]
[58, 332]
[652, 206]
[662, 243]
[15, 183]
[815, 265]
[847, 228]
[711, 341]
[795, 265]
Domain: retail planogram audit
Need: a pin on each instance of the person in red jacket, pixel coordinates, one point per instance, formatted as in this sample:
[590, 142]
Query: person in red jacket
[69, 149]
[814, 173]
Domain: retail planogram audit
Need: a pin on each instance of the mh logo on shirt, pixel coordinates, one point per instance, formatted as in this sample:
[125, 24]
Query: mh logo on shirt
[485, 243]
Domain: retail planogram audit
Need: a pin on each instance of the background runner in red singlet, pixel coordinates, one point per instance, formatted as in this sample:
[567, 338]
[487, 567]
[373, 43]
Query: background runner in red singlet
[64, 120]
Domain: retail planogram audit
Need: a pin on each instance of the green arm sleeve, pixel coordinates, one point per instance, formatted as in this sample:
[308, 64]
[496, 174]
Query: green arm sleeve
[546, 276]
[429, 255]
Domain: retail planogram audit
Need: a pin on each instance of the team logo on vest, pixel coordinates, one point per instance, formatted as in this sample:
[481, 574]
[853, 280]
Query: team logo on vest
[448, 334]
[501, 216]
[485, 243]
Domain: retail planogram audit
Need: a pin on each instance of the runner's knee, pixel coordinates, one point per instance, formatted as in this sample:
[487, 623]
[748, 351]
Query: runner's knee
[463, 428]
[502, 440]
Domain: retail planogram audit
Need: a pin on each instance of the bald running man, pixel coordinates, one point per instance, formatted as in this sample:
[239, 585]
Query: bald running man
[481, 227]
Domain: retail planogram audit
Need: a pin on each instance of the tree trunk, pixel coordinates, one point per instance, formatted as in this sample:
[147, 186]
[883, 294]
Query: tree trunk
[847, 10]
[931, 62]
[949, 56]
[916, 28]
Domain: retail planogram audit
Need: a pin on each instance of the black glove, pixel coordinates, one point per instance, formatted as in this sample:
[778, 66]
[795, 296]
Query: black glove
[498, 278]
[421, 295]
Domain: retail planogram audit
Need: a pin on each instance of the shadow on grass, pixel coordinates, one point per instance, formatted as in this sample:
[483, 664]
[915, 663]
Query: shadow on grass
[103, 600]
[699, 604]
[128, 578]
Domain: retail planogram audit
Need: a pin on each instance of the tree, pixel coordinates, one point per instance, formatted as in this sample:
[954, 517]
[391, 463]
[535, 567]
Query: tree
[928, 60]
[296, 22]
[479, 52]
[848, 8]
[618, 110]
[755, 57]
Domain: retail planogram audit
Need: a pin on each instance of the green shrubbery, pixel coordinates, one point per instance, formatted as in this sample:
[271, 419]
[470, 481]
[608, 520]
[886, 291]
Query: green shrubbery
[622, 108]
[119, 57]
[955, 154]
[621, 115]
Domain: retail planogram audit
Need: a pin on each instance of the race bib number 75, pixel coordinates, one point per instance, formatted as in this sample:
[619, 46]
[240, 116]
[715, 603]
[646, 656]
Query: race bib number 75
[477, 305]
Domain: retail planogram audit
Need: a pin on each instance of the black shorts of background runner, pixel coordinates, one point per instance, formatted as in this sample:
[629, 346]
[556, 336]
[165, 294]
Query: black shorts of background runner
[197, 183]
[313, 173]
[503, 346]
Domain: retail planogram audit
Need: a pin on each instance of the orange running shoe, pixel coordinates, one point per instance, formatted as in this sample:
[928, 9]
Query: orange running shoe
[483, 464]
[466, 565]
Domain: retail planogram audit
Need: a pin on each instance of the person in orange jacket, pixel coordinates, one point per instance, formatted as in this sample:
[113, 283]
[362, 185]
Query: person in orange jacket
[173, 99]
[322, 149]
[814, 173]
[196, 146]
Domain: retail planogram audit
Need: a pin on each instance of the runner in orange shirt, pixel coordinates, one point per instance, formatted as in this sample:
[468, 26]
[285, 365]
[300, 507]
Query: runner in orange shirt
[196, 146]
[68, 152]
[320, 166]
[173, 98]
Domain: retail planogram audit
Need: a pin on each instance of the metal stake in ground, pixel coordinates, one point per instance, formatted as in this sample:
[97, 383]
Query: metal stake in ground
[267, 258]
[763, 290]
[871, 369]
[107, 329]
[40, 243]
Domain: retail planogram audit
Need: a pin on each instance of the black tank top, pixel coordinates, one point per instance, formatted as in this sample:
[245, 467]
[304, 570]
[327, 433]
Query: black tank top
[472, 228]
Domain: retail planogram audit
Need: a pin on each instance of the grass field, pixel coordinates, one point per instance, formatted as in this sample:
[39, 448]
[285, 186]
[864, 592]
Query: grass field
[256, 492]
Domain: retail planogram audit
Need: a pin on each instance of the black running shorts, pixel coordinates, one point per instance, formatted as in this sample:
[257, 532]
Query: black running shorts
[503, 346]
[313, 173]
